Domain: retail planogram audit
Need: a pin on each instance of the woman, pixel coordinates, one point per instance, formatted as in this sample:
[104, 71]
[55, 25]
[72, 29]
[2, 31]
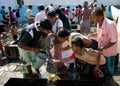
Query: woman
[56, 25]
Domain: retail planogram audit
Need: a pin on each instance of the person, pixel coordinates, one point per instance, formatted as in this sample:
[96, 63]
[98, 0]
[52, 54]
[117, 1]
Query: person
[6, 17]
[79, 13]
[14, 13]
[85, 19]
[41, 15]
[104, 9]
[48, 8]
[75, 15]
[94, 60]
[14, 31]
[64, 35]
[3, 12]
[72, 15]
[30, 43]
[12, 19]
[67, 10]
[18, 17]
[107, 37]
[29, 15]
[56, 25]
[64, 19]
[3, 28]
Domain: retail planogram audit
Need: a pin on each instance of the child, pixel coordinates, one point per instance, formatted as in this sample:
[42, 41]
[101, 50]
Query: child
[14, 31]
[7, 17]
[91, 60]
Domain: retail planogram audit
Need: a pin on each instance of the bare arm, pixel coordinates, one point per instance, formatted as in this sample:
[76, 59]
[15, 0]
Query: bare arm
[92, 35]
[62, 60]
[106, 46]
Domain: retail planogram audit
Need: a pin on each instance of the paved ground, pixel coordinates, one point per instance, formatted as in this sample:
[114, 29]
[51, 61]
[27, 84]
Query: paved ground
[17, 70]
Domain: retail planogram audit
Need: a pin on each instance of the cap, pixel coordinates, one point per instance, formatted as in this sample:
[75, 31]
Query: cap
[50, 8]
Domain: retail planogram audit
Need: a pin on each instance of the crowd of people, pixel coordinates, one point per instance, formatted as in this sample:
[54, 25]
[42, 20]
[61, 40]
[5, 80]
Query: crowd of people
[49, 31]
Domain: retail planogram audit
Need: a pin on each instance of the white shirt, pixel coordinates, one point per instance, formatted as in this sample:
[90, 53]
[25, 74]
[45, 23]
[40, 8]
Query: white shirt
[57, 24]
[40, 16]
[28, 13]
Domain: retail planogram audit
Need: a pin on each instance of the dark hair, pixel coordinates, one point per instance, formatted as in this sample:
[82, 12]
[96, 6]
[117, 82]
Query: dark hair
[98, 11]
[64, 19]
[46, 24]
[78, 42]
[41, 7]
[80, 6]
[63, 33]
[13, 23]
[103, 7]
[51, 4]
[68, 7]
[3, 7]
[9, 8]
[51, 13]
[30, 6]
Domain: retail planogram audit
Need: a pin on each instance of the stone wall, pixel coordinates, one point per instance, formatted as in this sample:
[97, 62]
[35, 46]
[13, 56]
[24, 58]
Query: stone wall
[7, 3]
[71, 2]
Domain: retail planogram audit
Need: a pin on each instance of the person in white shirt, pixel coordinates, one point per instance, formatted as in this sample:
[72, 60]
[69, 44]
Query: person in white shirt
[41, 15]
[29, 15]
[57, 45]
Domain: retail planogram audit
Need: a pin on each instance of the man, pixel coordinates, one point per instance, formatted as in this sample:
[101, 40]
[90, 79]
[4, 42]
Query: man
[12, 18]
[3, 28]
[67, 10]
[41, 15]
[29, 15]
[3, 12]
[107, 37]
[85, 19]
[64, 35]
[30, 44]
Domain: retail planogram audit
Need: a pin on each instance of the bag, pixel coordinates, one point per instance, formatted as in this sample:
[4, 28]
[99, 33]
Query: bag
[98, 74]
[25, 31]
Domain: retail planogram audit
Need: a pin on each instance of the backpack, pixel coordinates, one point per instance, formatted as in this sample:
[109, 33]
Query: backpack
[26, 30]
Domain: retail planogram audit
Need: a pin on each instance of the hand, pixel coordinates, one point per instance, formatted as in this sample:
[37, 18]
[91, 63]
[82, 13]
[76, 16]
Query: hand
[96, 68]
[36, 50]
[89, 36]
[54, 61]
[51, 35]
[100, 49]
